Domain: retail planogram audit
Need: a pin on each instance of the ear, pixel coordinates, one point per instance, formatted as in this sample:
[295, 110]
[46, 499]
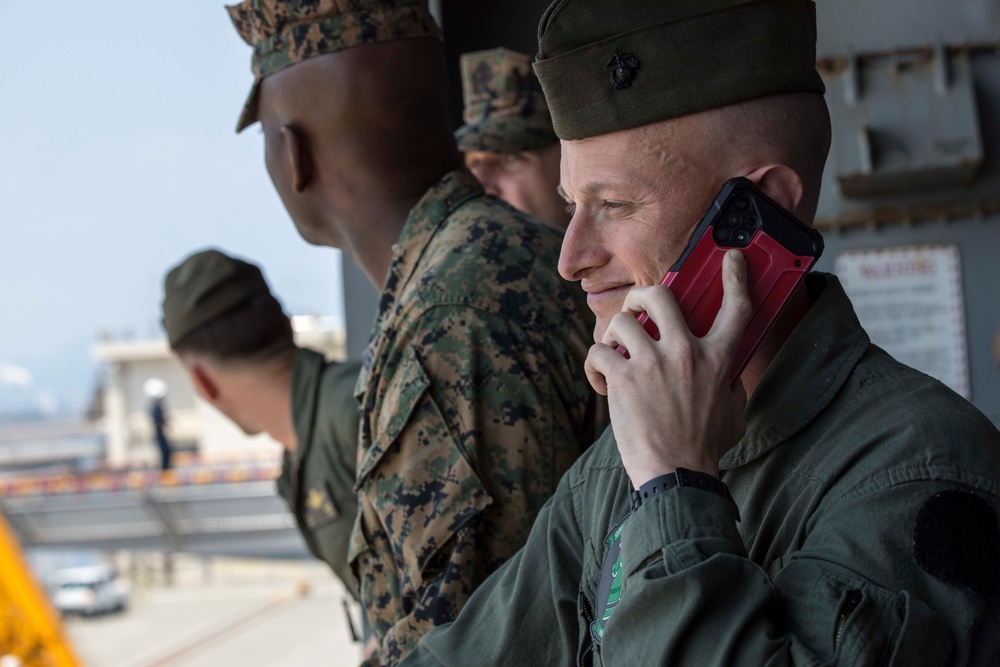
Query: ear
[780, 183]
[203, 382]
[298, 157]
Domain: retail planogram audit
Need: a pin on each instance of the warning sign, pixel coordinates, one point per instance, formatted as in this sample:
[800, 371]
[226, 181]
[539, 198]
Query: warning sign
[909, 300]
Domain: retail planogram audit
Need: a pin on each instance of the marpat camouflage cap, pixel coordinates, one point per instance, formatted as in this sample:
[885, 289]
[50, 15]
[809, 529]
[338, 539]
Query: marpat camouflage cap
[505, 109]
[285, 32]
[609, 66]
[204, 286]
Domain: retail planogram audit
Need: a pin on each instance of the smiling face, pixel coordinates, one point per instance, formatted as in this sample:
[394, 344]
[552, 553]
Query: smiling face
[636, 196]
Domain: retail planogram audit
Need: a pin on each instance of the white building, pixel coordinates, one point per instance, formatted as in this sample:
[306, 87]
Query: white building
[192, 423]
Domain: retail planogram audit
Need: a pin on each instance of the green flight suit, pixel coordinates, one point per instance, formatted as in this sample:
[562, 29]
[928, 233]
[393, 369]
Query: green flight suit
[865, 534]
[317, 479]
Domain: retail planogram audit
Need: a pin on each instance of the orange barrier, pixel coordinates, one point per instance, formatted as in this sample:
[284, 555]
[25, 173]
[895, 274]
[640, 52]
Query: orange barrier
[29, 628]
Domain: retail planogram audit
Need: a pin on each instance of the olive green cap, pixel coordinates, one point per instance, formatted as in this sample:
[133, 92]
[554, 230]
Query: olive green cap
[609, 66]
[204, 286]
[285, 32]
[505, 110]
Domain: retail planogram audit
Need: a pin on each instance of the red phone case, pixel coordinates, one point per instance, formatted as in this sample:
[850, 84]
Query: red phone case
[779, 250]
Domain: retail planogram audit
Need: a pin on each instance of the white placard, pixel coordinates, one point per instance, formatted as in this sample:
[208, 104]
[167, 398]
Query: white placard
[909, 300]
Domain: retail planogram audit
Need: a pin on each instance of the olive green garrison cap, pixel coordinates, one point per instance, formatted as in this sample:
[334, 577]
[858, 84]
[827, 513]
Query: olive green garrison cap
[613, 65]
[285, 32]
[505, 110]
[204, 286]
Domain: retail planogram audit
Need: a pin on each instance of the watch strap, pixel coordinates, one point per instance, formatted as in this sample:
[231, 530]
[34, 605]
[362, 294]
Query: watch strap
[679, 477]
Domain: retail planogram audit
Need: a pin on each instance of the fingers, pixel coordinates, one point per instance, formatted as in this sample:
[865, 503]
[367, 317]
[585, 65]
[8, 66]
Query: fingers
[601, 361]
[659, 302]
[624, 329]
[736, 310]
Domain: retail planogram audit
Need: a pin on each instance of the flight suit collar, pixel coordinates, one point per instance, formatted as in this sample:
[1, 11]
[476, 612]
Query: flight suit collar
[809, 370]
[423, 222]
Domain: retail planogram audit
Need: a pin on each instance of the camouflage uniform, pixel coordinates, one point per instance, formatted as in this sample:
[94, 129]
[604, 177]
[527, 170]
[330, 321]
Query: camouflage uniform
[473, 395]
[505, 109]
[317, 479]
[474, 403]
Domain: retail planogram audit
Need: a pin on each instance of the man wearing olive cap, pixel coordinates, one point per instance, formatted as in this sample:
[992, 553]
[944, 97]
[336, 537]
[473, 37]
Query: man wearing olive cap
[236, 345]
[835, 507]
[507, 139]
[472, 391]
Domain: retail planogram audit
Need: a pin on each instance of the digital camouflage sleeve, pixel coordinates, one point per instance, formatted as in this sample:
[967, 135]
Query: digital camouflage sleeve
[474, 403]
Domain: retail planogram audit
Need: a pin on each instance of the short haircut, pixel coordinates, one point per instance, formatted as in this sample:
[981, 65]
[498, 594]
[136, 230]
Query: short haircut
[255, 332]
[794, 128]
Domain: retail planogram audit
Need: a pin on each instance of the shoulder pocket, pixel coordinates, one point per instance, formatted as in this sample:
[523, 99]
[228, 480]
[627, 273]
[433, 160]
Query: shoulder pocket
[415, 477]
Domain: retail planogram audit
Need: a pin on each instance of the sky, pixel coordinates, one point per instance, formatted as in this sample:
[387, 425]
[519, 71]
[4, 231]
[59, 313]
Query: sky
[118, 157]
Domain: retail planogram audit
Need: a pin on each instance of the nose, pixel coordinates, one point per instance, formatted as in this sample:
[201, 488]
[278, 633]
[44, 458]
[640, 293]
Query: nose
[487, 177]
[581, 250]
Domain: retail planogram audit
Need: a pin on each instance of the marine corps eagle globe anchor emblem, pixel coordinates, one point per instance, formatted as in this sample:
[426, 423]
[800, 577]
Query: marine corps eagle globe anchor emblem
[625, 65]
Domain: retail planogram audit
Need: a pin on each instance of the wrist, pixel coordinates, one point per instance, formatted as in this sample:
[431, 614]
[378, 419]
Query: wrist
[680, 477]
[642, 474]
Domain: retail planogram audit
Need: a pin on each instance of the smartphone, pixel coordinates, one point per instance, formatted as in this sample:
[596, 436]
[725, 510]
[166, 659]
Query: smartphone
[779, 249]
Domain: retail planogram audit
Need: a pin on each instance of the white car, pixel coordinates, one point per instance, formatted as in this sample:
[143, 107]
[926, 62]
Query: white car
[95, 589]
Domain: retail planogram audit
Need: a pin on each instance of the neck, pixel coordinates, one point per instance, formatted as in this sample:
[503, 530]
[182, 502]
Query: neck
[272, 403]
[382, 212]
[370, 240]
[797, 307]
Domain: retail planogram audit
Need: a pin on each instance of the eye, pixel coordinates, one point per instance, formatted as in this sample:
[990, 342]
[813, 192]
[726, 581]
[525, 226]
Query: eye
[614, 205]
[512, 158]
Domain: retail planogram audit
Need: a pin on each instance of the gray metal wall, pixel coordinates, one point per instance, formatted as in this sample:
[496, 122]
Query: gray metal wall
[897, 49]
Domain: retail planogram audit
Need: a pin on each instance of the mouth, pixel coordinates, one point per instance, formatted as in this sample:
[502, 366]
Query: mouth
[601, 295]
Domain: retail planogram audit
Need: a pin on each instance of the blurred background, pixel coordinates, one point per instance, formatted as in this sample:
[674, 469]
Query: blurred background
[118, 158]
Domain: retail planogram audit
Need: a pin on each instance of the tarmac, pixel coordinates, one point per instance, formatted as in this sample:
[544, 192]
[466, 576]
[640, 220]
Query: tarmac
[227, 613]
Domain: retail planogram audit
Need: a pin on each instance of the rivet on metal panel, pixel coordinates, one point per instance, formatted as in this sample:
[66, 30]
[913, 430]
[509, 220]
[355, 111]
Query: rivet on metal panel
[942, 73]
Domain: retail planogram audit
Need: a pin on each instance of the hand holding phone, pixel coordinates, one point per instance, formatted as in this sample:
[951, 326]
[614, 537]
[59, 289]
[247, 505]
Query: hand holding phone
[779, 251]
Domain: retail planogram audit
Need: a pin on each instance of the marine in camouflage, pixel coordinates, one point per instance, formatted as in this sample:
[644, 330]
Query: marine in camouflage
[505, 109]
[285, 32]
[474, 403]
[317, 479]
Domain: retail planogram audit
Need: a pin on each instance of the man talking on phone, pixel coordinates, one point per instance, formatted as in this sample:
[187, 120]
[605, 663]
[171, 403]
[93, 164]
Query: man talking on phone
[834, 507]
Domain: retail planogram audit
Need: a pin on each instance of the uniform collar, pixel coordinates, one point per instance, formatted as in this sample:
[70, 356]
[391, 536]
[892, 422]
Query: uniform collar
[453, 190]
[306, 374]
[425, 219]
[809, 370]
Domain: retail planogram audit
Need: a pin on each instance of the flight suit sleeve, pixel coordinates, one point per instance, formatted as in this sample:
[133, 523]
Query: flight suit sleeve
[855, 593]
[526, 613]
[470, 441]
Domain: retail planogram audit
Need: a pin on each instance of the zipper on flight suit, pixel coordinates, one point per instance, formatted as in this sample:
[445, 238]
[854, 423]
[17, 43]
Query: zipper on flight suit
[586, 658]
[846, 609]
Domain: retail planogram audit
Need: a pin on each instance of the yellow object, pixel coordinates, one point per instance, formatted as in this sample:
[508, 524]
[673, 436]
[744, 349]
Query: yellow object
[30, 631]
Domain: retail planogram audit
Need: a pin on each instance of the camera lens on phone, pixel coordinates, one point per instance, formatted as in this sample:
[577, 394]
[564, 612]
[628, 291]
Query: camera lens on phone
[752, 221]
[722, 235]
[742, 236]
[733, 219]
[742, 204]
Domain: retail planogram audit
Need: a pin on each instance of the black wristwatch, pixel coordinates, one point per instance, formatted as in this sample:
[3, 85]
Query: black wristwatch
[679, 477]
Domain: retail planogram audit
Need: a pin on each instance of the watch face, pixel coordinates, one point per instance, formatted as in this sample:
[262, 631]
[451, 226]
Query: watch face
[609, 586]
